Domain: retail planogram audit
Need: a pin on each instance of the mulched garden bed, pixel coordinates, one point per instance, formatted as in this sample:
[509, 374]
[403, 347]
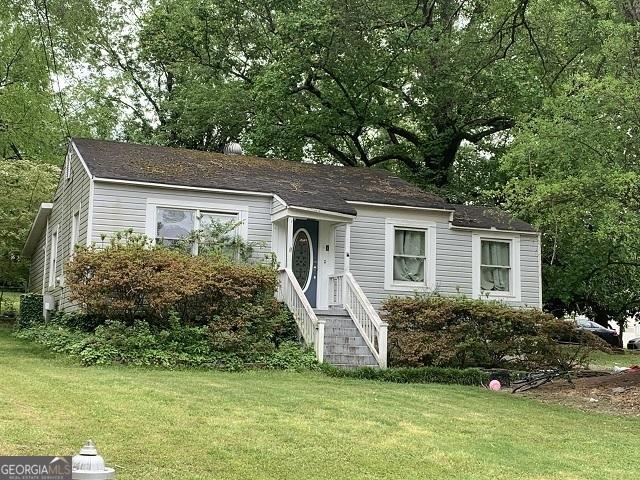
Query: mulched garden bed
[612, 393]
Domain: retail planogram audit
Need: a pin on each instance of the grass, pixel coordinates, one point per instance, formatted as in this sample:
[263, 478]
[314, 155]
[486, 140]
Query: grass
[625, 358]
[153, 424]
[10, 301]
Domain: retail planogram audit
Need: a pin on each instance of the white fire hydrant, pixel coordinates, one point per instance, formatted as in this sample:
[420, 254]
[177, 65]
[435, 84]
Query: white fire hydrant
[88, 465]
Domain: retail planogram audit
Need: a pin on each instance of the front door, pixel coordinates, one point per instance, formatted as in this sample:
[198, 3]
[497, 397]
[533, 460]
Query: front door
[304, 257]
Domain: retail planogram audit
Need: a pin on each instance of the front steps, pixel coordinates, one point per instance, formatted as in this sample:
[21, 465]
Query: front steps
[343, 345]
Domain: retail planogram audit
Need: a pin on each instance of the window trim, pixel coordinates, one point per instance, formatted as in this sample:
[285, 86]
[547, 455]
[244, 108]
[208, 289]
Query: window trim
[68, 170]
[75, 230]
[53, 256]
[515, 292]
[242, 212]
[430, 255]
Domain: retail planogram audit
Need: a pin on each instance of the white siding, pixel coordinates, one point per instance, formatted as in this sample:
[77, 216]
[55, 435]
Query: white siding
[71, 196]
[117, 207]
[453, 256]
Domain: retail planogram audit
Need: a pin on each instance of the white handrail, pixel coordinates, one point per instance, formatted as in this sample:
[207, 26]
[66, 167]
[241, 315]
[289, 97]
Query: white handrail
[345, 291]
[291, 294]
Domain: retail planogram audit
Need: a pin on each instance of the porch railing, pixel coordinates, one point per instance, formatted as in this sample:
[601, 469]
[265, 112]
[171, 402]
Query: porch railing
[291, 294]
[344, 291]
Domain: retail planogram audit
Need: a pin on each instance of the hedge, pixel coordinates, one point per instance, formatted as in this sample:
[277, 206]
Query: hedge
[467, 376]
[31, 305]
[460, 333]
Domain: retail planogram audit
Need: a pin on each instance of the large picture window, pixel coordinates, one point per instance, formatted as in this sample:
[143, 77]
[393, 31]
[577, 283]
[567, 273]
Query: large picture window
[169, 224]
[410, 255]
[173, 224]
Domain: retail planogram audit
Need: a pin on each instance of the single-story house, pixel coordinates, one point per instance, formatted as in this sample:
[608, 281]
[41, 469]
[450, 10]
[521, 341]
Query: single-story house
[346, 238]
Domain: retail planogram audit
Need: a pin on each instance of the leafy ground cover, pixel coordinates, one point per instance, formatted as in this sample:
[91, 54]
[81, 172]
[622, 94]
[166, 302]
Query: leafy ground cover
[195, 424]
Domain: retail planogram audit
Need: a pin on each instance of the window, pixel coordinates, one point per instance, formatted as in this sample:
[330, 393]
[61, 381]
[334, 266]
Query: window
[410, 255]
[68, 171]
[496, 266]
[174, 224]
[75, 230]
[53, 258]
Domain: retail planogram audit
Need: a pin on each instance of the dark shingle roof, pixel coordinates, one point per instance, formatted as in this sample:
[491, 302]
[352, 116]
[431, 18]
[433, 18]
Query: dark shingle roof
[488, 217]
[298, 184]
[322, 187]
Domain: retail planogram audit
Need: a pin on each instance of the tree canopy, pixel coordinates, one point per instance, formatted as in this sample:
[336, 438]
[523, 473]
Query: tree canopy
[525, 104]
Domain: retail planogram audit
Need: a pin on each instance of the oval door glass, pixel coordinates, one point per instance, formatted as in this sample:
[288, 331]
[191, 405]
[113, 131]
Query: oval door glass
[301, 258]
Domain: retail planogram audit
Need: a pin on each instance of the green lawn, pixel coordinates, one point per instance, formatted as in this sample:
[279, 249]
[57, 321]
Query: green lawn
[153, 424]
[625, 358]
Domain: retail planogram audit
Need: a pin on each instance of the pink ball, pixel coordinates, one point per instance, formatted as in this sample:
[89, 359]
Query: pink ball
[495, 385]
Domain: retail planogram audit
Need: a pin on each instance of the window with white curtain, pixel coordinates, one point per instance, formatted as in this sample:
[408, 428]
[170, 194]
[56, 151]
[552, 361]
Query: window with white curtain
[409, 255]
[495, 266]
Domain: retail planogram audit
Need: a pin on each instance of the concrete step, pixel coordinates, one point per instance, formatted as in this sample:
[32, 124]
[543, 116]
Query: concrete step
[345, 349]
[347, 341]
[349, 366]
[330, 331]
[332, 312]
[339, 324]
[350, 359]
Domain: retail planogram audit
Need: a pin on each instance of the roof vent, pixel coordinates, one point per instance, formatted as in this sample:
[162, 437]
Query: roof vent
[232, 148]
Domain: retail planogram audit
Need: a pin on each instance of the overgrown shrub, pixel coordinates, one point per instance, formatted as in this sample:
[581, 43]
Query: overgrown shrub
[31, 305]
[130, 279]
[174, 346]
[467, 376]
[459, 332]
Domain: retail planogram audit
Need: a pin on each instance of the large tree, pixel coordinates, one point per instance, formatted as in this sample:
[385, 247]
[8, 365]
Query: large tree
[575, 173]
[395, 82]
[34, 116]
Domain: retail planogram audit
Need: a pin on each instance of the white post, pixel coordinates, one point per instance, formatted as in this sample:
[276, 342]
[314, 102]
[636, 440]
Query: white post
[382, 345]
[289, 241]
[320, 342]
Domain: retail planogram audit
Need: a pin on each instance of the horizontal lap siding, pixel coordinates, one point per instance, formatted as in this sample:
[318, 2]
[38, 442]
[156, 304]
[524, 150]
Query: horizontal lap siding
[71, 196]
[36, 269]
[530, 270]
[118, 207]
[453, 256]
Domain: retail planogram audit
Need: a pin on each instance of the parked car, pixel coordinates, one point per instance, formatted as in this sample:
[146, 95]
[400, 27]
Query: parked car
[607, 334]
[634, 344]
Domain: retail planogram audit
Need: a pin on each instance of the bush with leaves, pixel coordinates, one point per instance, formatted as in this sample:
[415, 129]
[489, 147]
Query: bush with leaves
[459, 332]
[172, 346]
[131, 278]
[449, 376]
[31, 307]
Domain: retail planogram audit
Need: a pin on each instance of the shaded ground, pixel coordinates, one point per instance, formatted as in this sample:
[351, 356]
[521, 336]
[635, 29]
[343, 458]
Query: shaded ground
[614, 393]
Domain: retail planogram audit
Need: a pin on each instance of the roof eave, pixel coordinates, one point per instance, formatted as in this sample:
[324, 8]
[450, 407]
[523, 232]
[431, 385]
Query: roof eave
[493, 229]
[36, 229]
